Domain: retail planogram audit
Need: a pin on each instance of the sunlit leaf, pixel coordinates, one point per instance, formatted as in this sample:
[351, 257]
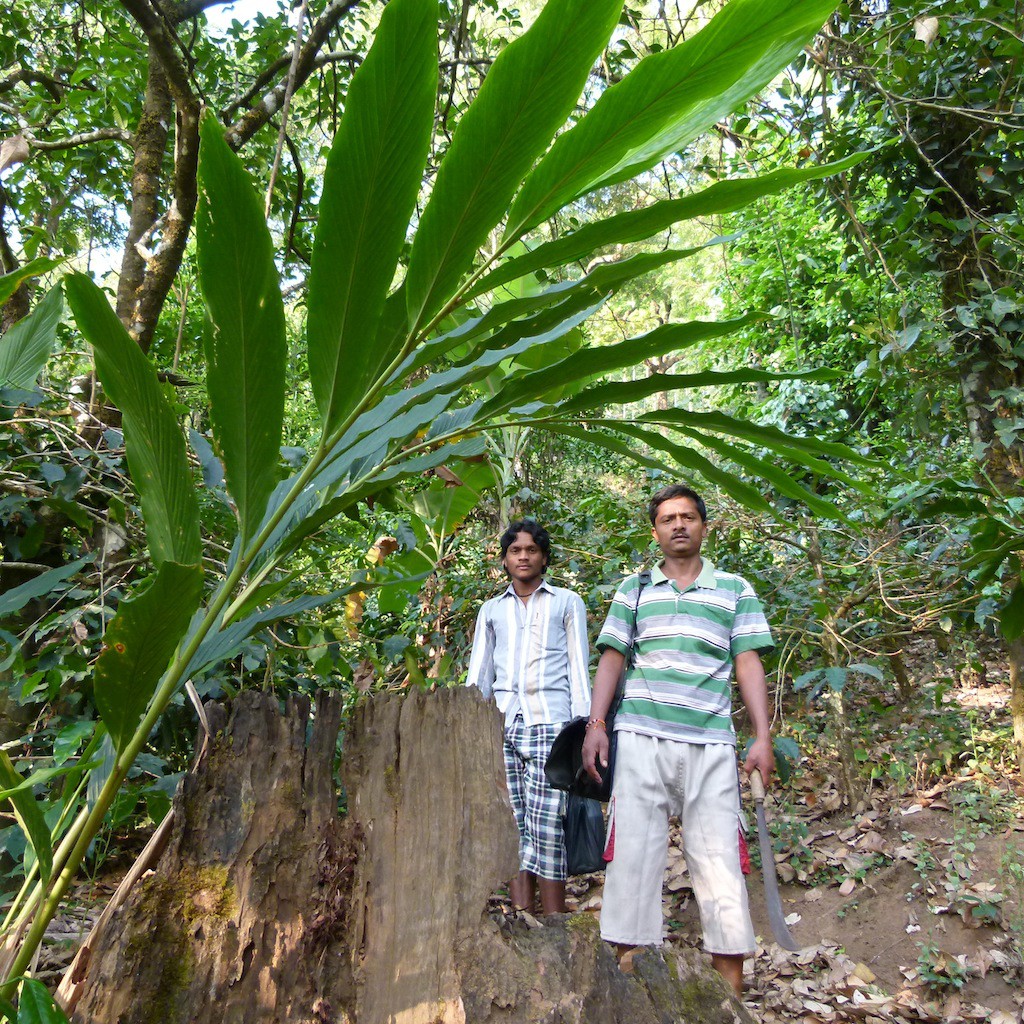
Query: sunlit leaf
[37, 1006]
[667, 101]
[529, 91]
[245, 333]
[638, 225]
[10, 283]
[371, 183]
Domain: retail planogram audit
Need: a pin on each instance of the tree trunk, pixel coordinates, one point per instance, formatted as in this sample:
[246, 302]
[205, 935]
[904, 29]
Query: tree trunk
[266, 907]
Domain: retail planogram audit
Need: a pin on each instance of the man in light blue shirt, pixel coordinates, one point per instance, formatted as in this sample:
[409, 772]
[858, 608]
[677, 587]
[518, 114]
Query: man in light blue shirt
[530, 655]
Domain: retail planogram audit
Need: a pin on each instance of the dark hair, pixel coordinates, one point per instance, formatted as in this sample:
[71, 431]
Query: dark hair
[676, 491]
[535, 530]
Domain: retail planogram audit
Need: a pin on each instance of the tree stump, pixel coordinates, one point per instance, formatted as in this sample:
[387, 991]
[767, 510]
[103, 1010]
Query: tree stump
[267, 908]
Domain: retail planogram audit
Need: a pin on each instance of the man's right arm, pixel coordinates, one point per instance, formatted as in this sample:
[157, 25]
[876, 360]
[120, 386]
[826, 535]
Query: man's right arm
[481, 660]
[606, 679]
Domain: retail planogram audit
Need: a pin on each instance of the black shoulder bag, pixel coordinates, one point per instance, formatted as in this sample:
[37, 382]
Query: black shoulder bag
[564, 766]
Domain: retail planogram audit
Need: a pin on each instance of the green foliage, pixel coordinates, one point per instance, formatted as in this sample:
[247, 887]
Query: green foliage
[835, 676]
[940, 971]
[371, 184]
[28, 814]
[10, 283]
[139, 643]
[666, 101]
[529, 91]
[26, 347]
[36, 1005]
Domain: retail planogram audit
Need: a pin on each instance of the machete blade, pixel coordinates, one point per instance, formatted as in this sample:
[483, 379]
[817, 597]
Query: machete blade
[776, 917]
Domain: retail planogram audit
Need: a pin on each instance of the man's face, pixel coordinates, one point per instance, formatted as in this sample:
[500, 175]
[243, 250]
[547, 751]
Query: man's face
[524, 561]
[678, 528]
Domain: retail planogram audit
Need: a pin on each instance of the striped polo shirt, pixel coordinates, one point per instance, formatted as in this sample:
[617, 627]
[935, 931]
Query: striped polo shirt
[531, 656]
[679, 686]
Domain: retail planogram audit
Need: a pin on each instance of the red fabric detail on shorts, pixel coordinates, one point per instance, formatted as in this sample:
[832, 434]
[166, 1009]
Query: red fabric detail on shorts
[744, 854]
[609, 845]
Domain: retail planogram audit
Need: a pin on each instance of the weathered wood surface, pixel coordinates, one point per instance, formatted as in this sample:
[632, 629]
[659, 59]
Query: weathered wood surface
[425, 781]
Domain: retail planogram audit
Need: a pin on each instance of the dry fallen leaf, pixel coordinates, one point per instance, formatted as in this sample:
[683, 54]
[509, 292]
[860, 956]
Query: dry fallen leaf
[864, 973]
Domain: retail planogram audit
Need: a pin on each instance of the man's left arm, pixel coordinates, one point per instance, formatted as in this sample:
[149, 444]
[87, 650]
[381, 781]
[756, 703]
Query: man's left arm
[754, 692]
[578, 657]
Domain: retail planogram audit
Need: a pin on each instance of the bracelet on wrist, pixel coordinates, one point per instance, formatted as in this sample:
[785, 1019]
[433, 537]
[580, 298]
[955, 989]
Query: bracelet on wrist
[596, 721]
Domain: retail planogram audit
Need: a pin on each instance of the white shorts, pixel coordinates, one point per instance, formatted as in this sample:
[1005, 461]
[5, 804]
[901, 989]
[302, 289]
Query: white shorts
[655, 778]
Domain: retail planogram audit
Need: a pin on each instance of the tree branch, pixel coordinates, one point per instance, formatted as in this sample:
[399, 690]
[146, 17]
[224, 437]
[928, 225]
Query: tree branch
[53, 86]
[146, 277]
[187, 9]
[256, 117]
[271, 72]
[82, 139]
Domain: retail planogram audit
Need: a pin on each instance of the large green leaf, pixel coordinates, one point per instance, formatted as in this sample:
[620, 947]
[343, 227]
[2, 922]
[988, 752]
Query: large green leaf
[11, 282]
[29, 815]
[25, 348]
[138, 646]
[680, 458]
[530, 90]
[36, 1005]
[801, 449]
[224, 642]
[668, 100]
[443, 507]
[153, 437]
[515, 339]
[377, 473]
[45, 583]
[246, 348]
[44, 776]
[618, 392]
[371, 183]
[638, 225]
[757, 468]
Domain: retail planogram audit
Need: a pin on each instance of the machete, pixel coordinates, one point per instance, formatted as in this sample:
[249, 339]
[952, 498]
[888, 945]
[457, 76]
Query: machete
[776, 918]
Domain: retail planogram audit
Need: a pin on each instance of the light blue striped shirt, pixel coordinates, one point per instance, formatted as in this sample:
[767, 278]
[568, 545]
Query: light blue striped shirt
[532, 656]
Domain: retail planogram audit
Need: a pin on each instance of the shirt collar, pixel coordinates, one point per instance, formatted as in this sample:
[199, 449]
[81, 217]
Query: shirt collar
[510, 590]
[705, 578]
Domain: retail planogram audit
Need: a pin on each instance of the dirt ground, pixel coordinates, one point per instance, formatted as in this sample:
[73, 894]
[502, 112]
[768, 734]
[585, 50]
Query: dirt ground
[862, 941]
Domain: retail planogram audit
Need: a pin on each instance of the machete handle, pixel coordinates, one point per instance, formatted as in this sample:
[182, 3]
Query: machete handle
[756, 785]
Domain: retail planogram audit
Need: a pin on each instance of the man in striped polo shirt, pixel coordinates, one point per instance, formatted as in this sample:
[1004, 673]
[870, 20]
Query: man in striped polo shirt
[530, 652]
[694, 627]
